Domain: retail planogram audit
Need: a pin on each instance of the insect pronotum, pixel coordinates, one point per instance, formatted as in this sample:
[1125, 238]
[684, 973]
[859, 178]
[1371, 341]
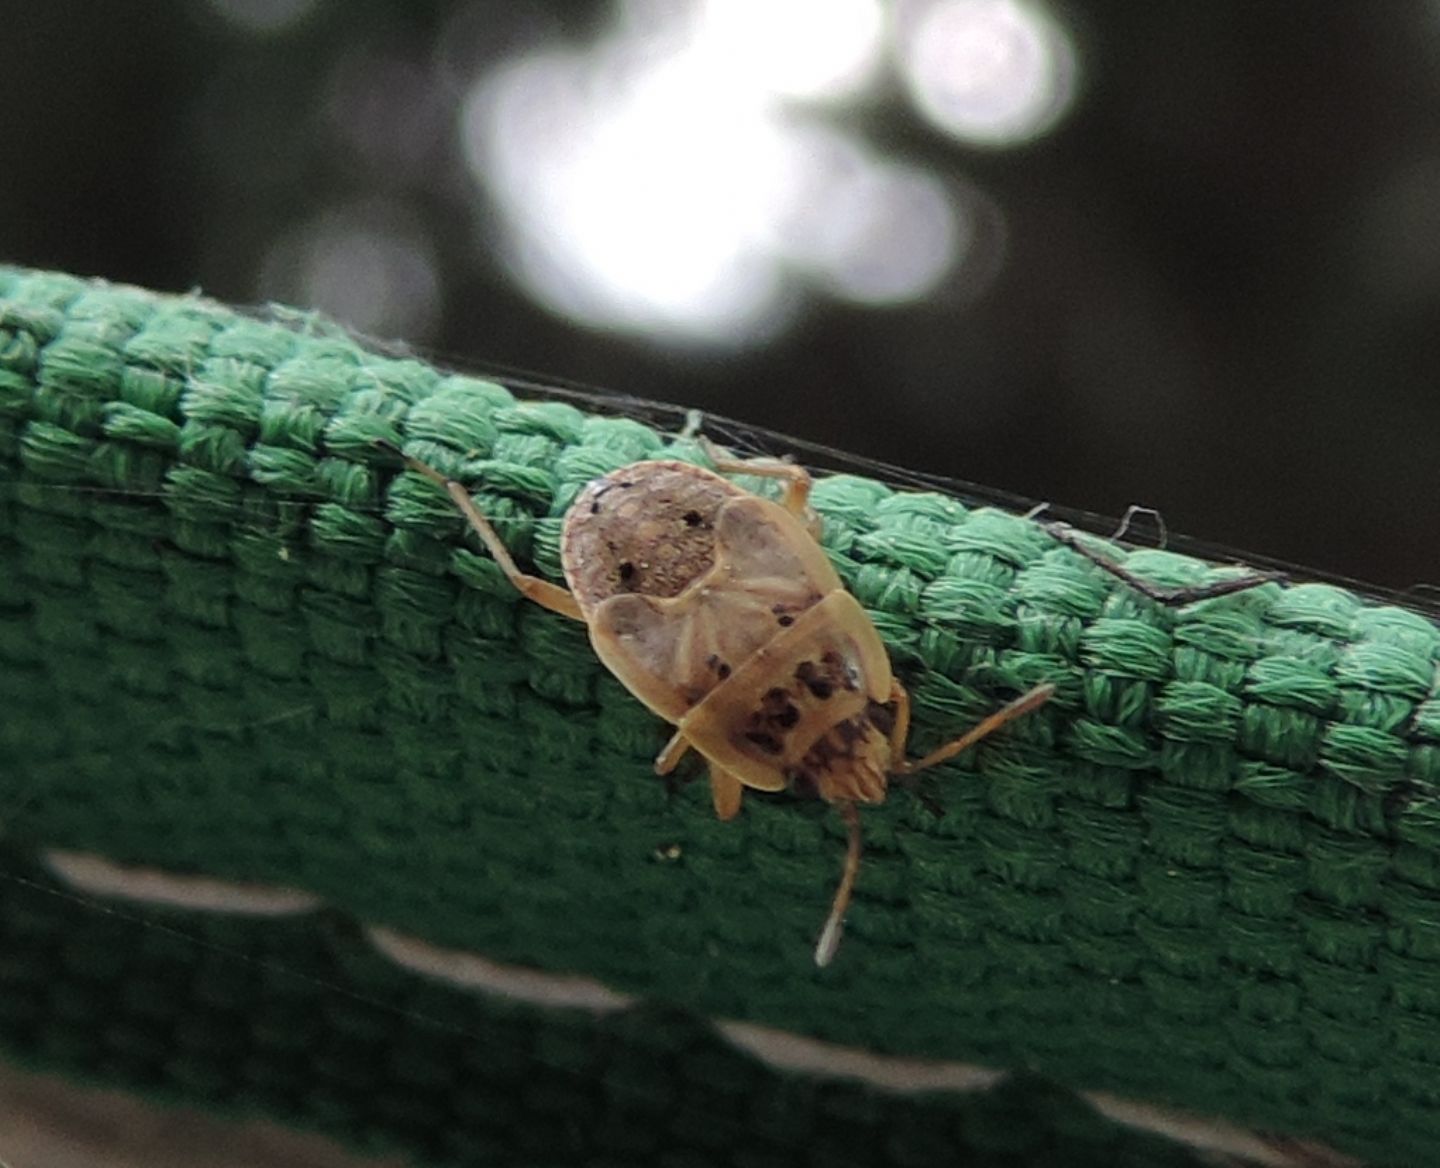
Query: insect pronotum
[720, 612]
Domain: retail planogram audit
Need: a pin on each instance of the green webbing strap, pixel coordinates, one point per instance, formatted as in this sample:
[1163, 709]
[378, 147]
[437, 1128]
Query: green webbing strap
[304, 1023]
[235, 641]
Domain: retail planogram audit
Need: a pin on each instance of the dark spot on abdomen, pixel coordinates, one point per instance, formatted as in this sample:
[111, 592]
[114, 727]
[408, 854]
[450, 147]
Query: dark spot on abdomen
[777, 709]
[766, 742]
[808, 674]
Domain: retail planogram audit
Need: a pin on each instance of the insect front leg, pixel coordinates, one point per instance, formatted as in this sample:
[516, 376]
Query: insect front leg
[829, 940]
[542, 592]
[669, 758]
[797, 480]
[900, 731]
[726, 791]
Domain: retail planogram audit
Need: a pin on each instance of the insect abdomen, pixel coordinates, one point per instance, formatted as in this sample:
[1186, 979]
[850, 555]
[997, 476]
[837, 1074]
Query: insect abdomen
[801, 706]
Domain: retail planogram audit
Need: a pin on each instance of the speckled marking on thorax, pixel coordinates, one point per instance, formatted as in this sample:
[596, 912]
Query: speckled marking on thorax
[648, 528]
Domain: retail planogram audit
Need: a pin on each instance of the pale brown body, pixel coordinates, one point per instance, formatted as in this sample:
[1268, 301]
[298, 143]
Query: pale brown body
[721, 613]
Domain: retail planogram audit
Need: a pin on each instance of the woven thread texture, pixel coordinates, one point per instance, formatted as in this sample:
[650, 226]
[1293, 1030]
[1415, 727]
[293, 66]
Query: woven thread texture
[303, 1022]
[235, 640]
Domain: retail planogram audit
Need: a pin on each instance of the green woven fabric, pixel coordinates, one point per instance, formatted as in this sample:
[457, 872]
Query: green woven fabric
[303, 1022]
[235, 641]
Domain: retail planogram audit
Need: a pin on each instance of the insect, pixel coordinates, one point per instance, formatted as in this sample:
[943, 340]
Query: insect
[720, 612]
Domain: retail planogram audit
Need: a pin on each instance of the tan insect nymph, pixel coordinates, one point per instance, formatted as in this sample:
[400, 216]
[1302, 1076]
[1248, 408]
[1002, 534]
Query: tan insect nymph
[719, 610]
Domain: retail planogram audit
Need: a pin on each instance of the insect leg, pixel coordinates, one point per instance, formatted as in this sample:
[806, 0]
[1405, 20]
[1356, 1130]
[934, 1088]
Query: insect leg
[725, 792]
[669, 758]
[1063, 533]
[835, 923]
[900, 731]
[694, 423]
[798, 482]
[1022, 705]
[899, 734]
[542, 592]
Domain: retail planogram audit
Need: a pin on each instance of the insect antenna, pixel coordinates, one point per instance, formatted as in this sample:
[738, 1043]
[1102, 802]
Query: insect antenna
[835, 922]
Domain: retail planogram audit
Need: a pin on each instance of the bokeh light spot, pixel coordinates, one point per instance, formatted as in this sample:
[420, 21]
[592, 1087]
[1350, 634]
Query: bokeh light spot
[637, 200]
[667, 180]
[893, 235]
[807, 49]
[390, 111]
[264, 17]
[867, 230]
[369, 266]
[989, 72]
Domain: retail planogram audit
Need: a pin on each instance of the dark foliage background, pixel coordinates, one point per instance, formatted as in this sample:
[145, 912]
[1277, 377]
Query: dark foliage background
[1220, 296]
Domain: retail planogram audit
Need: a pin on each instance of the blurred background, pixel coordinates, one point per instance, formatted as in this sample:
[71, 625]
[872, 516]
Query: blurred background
[1173, 254]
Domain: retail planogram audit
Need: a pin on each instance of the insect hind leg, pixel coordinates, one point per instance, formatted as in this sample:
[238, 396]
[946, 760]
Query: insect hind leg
[542, 592]
[1172, 597]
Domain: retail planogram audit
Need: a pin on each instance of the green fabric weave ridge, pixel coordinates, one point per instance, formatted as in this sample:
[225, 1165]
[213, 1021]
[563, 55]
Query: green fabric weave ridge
[233, 640]
[304, 1022]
